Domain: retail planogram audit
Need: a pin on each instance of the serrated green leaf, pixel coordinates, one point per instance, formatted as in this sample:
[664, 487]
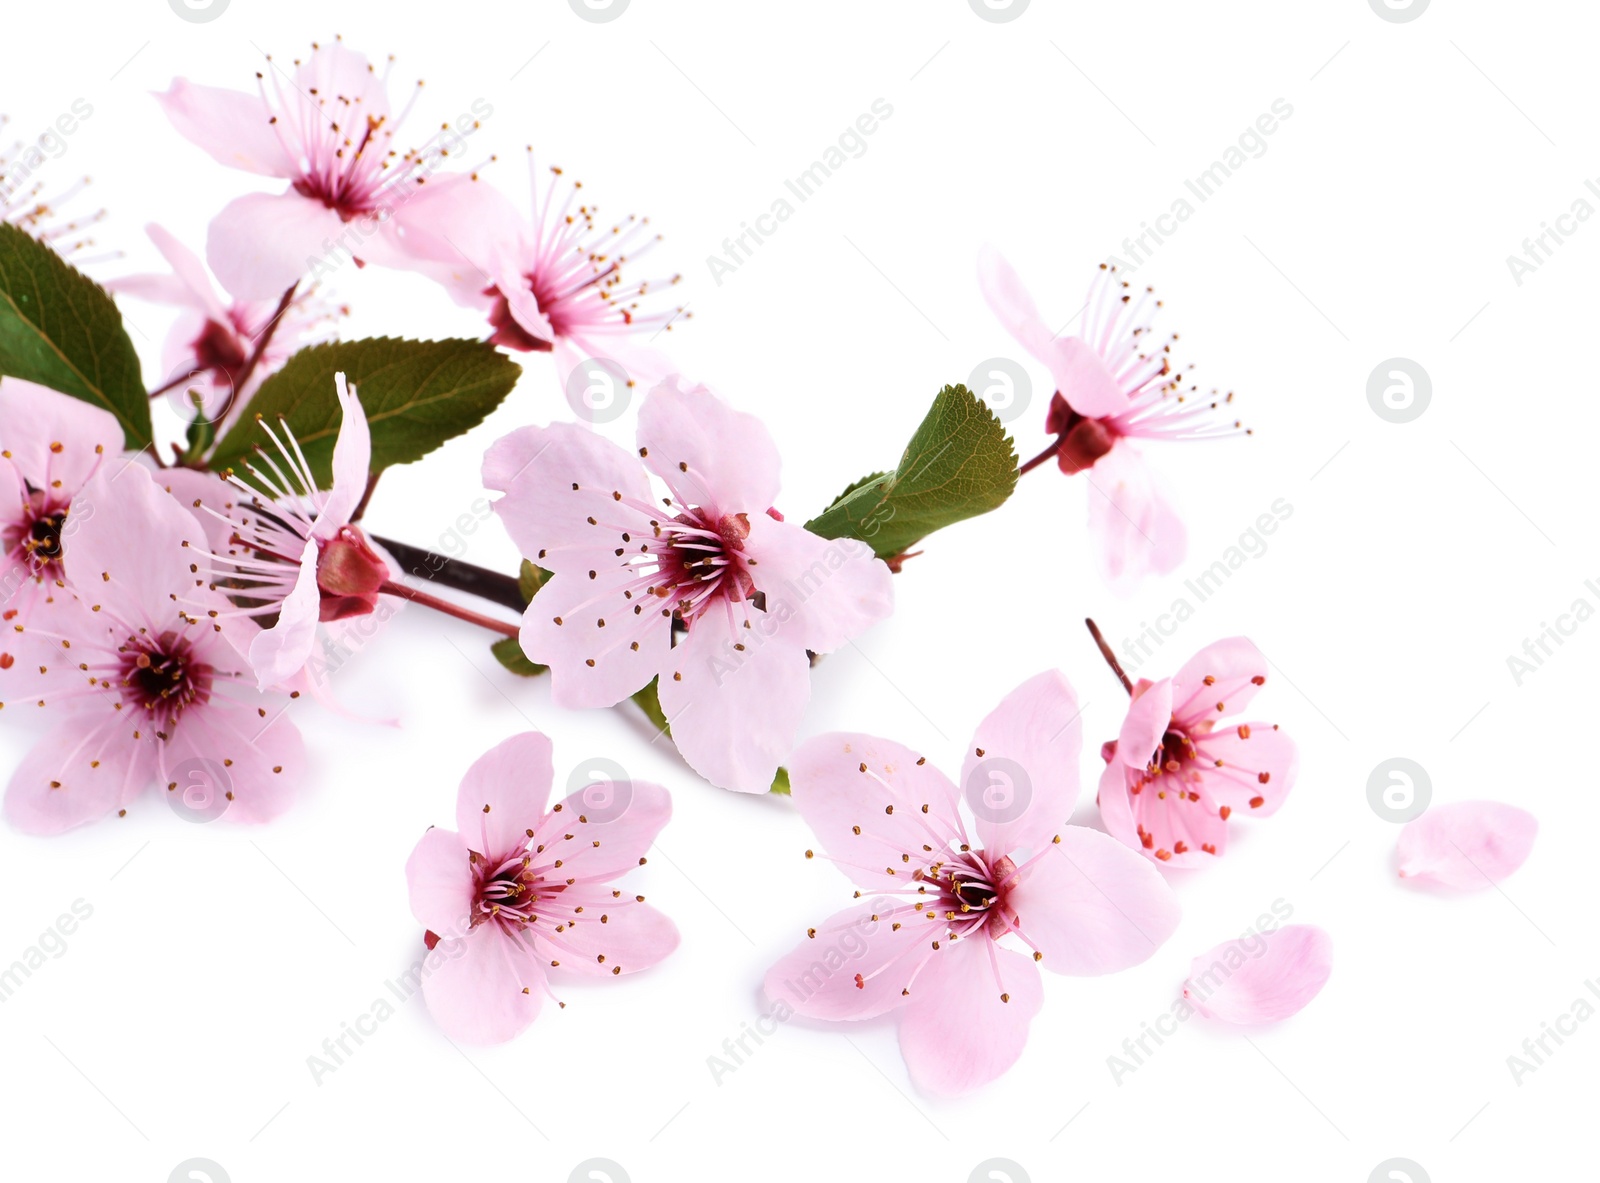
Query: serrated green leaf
[59, 328]
[959, 464]
[509, 654]
[416, 395]
[530, 579]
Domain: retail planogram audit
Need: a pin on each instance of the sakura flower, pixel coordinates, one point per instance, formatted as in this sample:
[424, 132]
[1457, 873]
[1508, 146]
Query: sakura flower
[1467, 845]
[26, 204]
[951, 897]
[330, 132]
[516, 890]
[217, 342]
[293, 552]
[555, 282]
[141, 673]
[1114, 386]
[1180, 768]
[50, 446]
[753, 594]
[1261, 977]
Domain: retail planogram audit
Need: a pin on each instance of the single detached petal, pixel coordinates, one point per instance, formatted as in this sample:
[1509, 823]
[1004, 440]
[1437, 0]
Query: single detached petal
[592, 930]
[735, 712]
[54, 441]
[1261, 978]
[439, 878]
[352, 458]
[855, 965]
[1220, 680]
[1135, 528]
[263, 242]
[1020, 775]
[485, 987]
[967, 1017]
[602, 830]
[233, 126]
[1092, 906]
[503, 794]
[280, 652]
[826, 592]
[708, 454]
[78, 773]
[1467, 845]
[864, 798]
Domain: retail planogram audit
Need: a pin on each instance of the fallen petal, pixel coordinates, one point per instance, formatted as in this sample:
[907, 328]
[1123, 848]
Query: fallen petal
[1261, 978]
[1467, 845]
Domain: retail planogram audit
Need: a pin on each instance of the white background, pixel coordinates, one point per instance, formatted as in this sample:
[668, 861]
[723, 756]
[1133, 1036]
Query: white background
[1417, 558]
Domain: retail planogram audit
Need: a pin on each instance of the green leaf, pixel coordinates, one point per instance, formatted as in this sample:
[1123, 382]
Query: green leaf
[59, 328]
[201, 435]
[959, 464]
[530, 579]
[780, 783]
[509, 654]
[416, 395]
[649, 701]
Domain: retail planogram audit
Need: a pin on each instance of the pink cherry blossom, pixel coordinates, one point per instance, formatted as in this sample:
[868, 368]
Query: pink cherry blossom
[752, 594]
[50, 446]
[949, 898]
[328, 130]
[1467, 845]
[1178, 770]
[1114, 386]
[554, 282]
[211, 344]
[516, 890]
[140, 674]
[1261, 977]
[26, 203]
[293, 553]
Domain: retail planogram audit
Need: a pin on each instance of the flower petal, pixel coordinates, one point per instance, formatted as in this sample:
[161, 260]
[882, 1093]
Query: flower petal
[1020, 775]
[486, 987]
[599, 649]
[1136, 530]
[1083, 379]
[263, 242]
[186, 265]
[1149, 716]
[78, 773]
[503, 794]
[601, 831]
[602, 934]
[1468, 844]
[825, 591]
[1092, 906]
[708, 454]
[1221, 679]
[865, 818]
[1253, 766]
[352, 458]
[126, 538]
[224, 744]
[54, 441]
[855, 965]
[1263, 978]
[280, 652]
[231, 125]
[956, 1034]
[439, 879]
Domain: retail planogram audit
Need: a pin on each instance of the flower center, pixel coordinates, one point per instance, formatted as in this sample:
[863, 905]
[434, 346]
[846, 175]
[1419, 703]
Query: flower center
[702, 562]
[35, 542]
[508, 892]
[218, 350]
[1080, 441]
[162, 676]
[970, 887]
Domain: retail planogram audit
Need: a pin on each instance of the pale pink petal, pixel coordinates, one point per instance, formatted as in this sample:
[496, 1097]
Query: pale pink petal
[1221, 679]
[1261, 978]
[1020, 775]
[263, 242]
[609, 937]
[734, 715]
[1167, 826]
[439, 878]
[855, 965]
[602, 830]
[536, 467]
[1468, 844]
[127, 539]
[601, 651]
[866, 818]
[483, 988]
[341, 83]
[186, 265]
[708, 454]
[208, 497]
[1249, 767]
[233, 126]
[77, 773]
[1116, 804]
[280, 652]
[825, 591]
[1012, 304]
[352, 457]
[503, 794]
[461, 223]
[956, 1034]
[1084, 381]
[55, 442]
[1149, 715]
[259, 764]
[1092, 906]
[1136, 530]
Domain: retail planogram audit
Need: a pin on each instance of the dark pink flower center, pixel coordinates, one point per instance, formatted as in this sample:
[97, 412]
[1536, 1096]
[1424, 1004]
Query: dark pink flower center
[220, 351]
[703, 561]
[163, 676]
[1079, 441]
[972, 887]
[507, 890]
[35, 540]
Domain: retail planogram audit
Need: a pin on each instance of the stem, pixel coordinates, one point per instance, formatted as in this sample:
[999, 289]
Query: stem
[1111, 658]
[478, 581]
[173, 385]
[1028, 467]
[361, 507]
[389, 587]
[264, 340]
